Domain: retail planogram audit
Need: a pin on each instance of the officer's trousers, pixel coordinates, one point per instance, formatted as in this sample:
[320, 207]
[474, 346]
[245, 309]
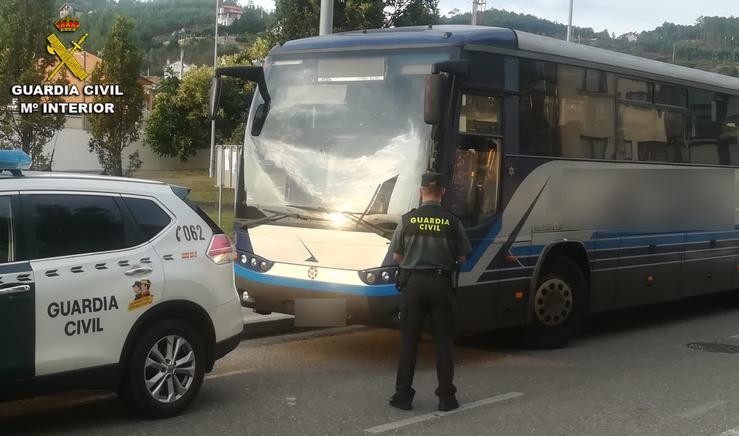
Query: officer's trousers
[426, 294]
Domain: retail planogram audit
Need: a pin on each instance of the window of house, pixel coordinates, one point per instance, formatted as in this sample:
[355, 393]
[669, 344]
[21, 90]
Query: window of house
[634, 90]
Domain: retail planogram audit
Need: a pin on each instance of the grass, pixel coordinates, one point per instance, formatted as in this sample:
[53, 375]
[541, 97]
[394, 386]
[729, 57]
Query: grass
[204, 193]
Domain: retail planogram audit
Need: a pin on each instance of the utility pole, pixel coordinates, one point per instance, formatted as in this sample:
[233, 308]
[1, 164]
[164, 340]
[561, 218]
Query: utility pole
[213, 122]
[478, 12]
[327, 17]
[674, 49]
[569, 23]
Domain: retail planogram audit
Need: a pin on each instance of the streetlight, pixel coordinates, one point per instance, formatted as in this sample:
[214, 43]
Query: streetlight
[569, 23]
[213, 121]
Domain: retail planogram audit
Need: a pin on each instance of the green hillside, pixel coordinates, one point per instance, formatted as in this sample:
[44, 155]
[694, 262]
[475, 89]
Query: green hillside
[712, 43]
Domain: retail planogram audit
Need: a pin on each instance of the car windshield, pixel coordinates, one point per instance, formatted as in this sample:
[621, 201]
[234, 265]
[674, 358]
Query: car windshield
[344, 133]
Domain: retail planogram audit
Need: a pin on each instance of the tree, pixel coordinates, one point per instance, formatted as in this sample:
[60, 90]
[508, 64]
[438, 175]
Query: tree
[111, 133]
[412, 12]
[24, 60]
[178, 125]
[300, 18]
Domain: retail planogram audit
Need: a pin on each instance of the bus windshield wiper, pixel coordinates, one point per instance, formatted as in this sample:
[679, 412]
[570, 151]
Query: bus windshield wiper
[276, 216]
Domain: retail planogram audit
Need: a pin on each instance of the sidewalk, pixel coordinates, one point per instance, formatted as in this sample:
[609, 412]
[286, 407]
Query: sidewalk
[265, 325]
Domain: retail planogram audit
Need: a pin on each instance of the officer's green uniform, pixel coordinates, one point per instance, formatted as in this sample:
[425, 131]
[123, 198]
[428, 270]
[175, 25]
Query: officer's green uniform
[430, 239]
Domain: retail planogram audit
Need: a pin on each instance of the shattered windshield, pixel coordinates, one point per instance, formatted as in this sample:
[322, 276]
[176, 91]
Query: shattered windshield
[345, 133]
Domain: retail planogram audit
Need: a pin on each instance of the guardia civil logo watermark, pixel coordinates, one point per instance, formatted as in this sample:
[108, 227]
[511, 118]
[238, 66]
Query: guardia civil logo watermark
[73, 59]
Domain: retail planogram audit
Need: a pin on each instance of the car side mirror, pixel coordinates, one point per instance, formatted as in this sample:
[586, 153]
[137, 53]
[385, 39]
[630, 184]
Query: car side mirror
[214, 99]
[260, 116]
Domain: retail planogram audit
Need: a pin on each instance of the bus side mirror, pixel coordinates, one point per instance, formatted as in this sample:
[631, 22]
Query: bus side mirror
[435, 98]
[214, 98]
[260, 116]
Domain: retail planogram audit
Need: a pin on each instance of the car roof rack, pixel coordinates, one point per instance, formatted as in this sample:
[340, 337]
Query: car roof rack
[14, 161]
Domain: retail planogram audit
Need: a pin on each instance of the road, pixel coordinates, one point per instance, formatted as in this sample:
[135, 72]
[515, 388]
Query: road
[630, 373]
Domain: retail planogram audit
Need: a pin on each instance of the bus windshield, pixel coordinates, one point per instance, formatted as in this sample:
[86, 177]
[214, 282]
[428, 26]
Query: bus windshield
[345, 133]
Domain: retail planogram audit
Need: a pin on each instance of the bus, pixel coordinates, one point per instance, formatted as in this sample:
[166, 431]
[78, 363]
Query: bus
[587, 180]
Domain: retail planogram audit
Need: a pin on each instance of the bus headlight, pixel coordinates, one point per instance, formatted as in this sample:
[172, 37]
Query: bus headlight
[253, 262]
[377, 276]
[264, 266]
[243, 259]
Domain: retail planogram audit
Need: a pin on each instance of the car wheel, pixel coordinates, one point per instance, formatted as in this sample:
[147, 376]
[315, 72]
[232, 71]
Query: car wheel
[165, 369]
[560, 303]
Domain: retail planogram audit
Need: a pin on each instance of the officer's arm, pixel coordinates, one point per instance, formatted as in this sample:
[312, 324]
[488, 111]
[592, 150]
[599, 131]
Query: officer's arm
[396, 244]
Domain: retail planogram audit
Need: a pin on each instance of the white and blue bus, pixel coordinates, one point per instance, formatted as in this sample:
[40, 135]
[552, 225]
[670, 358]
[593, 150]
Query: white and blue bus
[587, 179]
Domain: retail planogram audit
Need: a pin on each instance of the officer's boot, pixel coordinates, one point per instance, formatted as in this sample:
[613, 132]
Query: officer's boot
[403, 401]
[447, 403]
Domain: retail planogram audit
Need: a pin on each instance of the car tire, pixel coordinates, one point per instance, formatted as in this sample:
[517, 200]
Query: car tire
[559, 305]
[165, 370]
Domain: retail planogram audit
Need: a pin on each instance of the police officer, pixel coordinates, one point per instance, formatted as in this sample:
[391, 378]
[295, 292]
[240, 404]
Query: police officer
[428, 245]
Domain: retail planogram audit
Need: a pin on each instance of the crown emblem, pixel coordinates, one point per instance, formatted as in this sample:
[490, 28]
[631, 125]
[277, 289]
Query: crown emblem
[67, 24]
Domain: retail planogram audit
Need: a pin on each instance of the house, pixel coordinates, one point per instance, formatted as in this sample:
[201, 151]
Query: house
[149, 83]
[632, 37]
[228, 14]
[69, 149]
[176, 69]
[66, 11]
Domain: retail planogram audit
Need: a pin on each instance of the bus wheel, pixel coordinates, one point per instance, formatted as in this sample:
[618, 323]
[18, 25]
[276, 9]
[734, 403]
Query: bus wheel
[560, 303]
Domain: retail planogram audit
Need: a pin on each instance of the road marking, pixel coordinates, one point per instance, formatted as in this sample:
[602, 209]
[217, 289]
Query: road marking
[229, 373]
[734, 337]
[701, 410]
[433, 415]
[731, 432]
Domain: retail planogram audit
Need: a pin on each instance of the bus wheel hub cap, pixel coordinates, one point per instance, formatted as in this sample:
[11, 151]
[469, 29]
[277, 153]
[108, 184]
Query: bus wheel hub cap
[553, 302]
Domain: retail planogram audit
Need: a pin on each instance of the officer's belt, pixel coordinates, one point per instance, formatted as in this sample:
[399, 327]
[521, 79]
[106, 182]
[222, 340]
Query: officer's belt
[431, 272]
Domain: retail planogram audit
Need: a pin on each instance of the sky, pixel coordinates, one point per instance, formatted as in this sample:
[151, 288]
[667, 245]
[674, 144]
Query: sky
[619, 16]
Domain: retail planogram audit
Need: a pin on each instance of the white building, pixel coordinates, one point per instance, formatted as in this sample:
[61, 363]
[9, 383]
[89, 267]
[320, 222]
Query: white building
[228, 14]
[178, 69]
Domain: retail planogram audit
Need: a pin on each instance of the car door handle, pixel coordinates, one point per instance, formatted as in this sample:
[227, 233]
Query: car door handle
[15, 290]
[138, 271]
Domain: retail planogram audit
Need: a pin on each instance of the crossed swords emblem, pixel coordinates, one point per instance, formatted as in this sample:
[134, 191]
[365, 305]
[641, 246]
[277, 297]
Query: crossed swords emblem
[56, 47]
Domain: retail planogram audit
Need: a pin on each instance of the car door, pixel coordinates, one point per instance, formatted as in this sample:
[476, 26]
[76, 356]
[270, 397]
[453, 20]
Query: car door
[96, 274]
[17, 336]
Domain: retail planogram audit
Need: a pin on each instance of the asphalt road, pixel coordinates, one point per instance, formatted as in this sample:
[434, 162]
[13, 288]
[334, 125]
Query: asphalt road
[629, 373]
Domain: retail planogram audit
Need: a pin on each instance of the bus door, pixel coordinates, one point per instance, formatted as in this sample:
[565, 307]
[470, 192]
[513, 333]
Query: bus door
[473, 196]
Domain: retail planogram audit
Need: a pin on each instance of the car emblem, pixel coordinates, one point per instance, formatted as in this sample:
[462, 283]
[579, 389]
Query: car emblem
[312, 272]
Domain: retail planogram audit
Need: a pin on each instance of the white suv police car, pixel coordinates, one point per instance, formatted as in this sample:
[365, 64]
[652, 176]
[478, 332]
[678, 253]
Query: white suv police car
[110, 283]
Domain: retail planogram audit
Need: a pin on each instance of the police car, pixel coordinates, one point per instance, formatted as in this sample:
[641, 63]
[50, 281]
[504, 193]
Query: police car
[110, 283]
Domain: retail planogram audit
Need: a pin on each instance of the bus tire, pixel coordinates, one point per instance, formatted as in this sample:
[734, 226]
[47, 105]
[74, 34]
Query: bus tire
[179, 375]
[560, 303]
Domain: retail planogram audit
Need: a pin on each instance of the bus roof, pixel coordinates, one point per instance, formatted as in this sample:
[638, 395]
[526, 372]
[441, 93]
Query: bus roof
[516, 43]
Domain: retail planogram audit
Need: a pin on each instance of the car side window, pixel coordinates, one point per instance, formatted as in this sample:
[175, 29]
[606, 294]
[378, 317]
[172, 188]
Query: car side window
[6, 231]
[68, 224]
[150, 218]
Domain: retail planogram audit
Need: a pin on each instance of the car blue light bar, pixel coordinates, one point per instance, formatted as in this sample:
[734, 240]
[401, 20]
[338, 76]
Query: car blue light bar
[14, 160]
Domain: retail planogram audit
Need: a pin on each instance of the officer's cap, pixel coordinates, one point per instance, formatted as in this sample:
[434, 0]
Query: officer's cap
[432, 179]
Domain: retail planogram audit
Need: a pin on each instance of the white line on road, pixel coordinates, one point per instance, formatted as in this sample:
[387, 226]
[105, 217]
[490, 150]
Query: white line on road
[229, 373]
[734, 337]
[731, 432]
[701, 410]
[420, 418]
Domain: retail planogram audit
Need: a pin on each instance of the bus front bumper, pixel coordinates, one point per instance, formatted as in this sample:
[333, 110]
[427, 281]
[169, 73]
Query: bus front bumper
[365, 304]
